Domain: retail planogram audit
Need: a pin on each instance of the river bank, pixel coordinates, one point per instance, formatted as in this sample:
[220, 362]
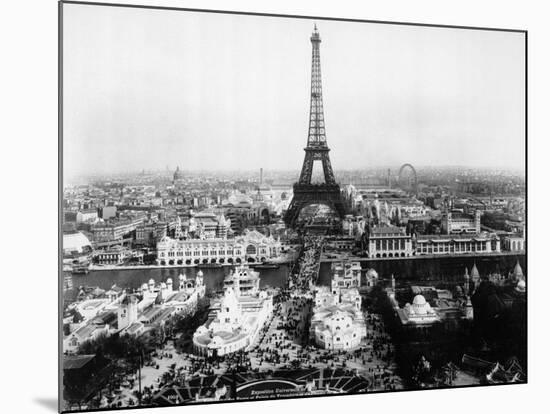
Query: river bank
[441, 271]
[335, 257]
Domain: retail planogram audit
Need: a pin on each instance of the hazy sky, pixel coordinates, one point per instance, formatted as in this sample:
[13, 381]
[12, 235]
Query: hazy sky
[151, 88]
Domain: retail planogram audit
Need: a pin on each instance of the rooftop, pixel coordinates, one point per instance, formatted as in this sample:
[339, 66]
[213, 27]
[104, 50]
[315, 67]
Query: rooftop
[88, 211]
[448, 237]
[76, 361]
[86, 330]
[388, 230]
[92, 304]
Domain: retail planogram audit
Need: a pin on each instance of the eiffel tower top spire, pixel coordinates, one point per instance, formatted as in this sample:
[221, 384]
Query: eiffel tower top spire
[316, 135]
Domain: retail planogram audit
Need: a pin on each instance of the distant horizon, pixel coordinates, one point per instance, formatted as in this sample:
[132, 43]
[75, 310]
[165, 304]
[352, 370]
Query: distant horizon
[381, 168]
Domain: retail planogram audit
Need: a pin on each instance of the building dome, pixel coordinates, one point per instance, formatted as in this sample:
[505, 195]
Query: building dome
[178, 175]
[337, 325]
[201, 330]
[419, 312]
[420, 307]
[371, 273]
[419, 300]
[520, 287]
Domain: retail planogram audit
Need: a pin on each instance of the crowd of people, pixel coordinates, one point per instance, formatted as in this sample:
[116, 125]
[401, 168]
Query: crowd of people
[286, 332]
[307, 272]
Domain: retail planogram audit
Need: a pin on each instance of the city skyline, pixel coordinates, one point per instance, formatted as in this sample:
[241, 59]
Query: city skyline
[245, 105]
[268, 175]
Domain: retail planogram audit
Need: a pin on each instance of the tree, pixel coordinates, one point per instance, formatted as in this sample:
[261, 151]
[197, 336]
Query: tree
[295, 364]
[421, 371]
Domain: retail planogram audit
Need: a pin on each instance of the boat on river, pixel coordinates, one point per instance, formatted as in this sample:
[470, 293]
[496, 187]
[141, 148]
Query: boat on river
[265, 266]
[80, 270]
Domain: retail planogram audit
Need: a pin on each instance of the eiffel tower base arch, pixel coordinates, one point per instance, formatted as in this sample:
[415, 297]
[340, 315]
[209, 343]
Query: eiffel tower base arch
[308, 194]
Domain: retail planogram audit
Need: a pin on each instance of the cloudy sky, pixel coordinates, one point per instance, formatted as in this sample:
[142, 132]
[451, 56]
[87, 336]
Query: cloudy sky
[146, 89]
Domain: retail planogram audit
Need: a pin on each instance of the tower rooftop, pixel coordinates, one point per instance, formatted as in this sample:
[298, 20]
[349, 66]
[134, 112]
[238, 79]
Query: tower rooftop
[474, 272]
[315, 36]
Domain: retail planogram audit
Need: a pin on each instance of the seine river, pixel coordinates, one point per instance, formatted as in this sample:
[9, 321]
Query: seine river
[443, 272]
[133, 279]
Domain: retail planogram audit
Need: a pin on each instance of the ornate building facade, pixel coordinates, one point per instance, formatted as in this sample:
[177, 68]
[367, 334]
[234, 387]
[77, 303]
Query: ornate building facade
[347, 274]
[454, 222]
[389, 241]
[457, 244]
[418, 313]
[514, 243]
[338, 322]
[251, 247]
[236, 320]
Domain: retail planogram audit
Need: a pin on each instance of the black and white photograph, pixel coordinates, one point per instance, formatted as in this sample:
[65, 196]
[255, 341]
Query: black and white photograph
[264, 206]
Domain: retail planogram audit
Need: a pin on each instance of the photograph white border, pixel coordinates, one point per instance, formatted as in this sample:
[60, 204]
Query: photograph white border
[30, 129]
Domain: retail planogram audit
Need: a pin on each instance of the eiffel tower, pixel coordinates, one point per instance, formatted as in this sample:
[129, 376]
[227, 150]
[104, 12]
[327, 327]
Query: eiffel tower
[306, 192]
